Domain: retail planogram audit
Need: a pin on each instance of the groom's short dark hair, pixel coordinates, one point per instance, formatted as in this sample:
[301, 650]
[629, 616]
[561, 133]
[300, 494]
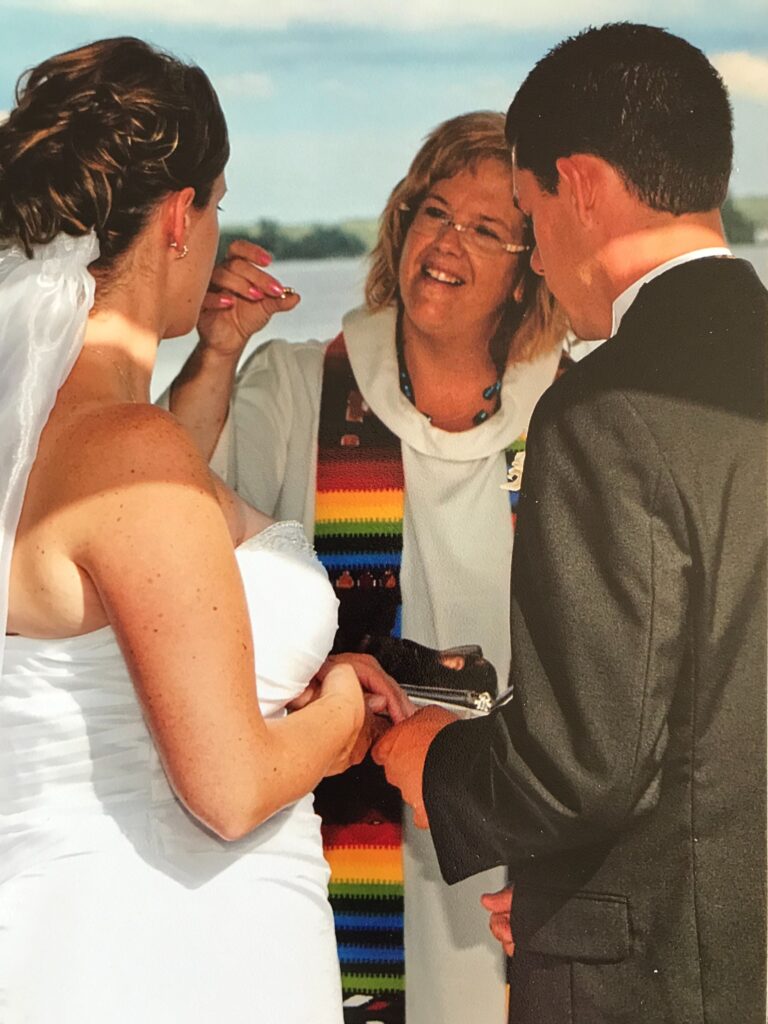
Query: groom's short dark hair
[644, 100]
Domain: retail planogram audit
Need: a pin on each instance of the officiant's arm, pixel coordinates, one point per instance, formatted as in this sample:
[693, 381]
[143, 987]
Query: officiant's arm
[241, 300]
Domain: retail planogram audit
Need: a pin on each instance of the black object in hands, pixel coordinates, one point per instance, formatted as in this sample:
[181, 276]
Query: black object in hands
[459, 676]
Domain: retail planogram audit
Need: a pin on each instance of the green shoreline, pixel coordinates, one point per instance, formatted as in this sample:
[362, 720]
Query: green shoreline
[745, 218]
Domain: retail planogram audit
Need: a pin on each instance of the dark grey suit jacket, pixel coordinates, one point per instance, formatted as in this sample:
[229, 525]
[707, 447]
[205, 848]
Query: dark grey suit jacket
[625, 785]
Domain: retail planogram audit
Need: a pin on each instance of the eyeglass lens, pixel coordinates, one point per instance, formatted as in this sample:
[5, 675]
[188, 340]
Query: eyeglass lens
[431, 220]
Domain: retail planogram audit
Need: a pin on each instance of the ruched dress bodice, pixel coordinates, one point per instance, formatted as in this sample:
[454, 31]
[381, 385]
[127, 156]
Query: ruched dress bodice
[85, 806]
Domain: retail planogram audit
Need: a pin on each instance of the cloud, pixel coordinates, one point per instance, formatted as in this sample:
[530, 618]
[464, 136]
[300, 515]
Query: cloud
[405, 15]
[247, 84]
[744, 73]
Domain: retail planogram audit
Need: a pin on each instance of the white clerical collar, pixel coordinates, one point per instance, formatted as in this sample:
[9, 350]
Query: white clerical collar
[370, 339]
[622, 303]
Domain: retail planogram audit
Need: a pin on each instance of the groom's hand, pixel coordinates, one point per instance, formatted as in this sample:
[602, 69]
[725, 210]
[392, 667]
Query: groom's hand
[402, 752]
[499, 905]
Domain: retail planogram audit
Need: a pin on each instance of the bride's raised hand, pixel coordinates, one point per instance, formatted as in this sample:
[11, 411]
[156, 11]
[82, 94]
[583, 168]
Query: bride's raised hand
[241, 299]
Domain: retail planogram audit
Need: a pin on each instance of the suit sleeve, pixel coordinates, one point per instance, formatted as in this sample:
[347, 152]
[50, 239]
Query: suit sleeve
[598, 620]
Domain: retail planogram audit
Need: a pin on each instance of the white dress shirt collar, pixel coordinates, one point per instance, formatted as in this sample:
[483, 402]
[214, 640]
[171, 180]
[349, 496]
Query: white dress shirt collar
[622, 303]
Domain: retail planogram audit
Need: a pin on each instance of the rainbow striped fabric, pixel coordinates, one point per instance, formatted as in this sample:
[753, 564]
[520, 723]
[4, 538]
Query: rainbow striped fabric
[366, 893]
[359, 540]
[359, 506]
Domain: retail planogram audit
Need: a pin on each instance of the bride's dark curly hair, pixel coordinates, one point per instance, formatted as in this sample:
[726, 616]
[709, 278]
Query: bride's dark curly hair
[98, 136]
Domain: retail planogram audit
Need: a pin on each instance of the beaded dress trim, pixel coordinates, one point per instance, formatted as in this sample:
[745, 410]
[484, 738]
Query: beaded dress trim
[286, 535]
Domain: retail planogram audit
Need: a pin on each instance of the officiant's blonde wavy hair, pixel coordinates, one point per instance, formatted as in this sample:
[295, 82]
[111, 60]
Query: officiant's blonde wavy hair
[536, 322]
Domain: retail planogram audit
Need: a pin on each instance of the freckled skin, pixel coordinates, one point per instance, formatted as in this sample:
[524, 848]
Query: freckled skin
[123, 525]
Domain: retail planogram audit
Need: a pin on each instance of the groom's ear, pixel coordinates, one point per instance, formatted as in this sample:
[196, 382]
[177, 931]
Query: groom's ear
[593, 188]
[583, 182]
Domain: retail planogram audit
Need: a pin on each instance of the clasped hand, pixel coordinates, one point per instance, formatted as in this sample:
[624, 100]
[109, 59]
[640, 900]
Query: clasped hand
[400, 736]
[385, 703]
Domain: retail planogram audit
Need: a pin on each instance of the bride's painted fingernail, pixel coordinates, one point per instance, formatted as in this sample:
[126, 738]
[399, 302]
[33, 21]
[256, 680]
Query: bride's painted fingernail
[275, 289]
[226, 301]
[255, 293]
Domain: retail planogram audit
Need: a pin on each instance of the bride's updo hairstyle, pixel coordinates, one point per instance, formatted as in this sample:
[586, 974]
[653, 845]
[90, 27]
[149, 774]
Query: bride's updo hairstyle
[101, 134]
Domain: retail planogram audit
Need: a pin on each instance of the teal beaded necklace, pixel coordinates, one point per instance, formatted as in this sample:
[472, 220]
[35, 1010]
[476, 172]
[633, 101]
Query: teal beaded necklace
[406, 385]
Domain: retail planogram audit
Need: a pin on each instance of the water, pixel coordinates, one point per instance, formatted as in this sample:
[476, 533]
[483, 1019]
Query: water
[328, 288]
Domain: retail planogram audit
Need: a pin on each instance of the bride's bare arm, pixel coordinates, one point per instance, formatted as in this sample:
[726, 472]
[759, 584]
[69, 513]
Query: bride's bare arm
[241, 301]
[149, 533]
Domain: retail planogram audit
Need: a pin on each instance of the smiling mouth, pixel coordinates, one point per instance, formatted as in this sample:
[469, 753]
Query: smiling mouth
[441, 276]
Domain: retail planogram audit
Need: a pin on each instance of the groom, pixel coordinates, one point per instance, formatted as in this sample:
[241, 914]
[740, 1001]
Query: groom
[625, 786]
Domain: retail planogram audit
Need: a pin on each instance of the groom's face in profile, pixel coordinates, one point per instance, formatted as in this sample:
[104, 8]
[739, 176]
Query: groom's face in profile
[561, 255]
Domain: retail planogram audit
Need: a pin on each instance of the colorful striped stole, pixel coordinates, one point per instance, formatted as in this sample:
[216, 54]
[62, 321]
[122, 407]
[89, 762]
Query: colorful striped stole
[359, 506]
[359, 540]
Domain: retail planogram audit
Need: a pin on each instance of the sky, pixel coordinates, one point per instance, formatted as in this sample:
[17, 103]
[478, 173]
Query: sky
[328, 100]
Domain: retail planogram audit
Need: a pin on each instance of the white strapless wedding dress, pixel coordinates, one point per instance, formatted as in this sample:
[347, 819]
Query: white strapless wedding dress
[116, 906]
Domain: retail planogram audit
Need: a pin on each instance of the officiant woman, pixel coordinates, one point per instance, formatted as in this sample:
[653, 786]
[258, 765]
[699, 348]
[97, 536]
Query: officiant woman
[398, 444]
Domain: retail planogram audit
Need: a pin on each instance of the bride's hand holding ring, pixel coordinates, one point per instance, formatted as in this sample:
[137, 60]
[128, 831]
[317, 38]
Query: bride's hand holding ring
[340, 683]
[383, 694]
[241, 299]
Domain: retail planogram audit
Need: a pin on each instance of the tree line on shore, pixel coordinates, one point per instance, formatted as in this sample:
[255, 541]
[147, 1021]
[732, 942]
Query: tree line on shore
[321, 241]
[324, 241]
[739, 228]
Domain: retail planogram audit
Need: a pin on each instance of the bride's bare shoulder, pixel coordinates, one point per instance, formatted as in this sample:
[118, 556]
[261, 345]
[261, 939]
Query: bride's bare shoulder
[128, 442]
[100, 460]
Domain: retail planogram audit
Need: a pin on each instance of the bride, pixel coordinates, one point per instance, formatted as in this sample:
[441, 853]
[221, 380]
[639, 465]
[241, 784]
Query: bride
[160, 859]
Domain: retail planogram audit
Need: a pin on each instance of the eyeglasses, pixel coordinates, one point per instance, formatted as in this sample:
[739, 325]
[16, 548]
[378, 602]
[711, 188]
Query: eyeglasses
[482, 239]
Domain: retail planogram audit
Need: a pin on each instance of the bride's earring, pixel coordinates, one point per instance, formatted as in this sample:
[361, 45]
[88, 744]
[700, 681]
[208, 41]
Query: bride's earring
[182, 252]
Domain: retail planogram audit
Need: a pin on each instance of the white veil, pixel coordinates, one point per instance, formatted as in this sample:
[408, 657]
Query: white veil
[44, 305]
